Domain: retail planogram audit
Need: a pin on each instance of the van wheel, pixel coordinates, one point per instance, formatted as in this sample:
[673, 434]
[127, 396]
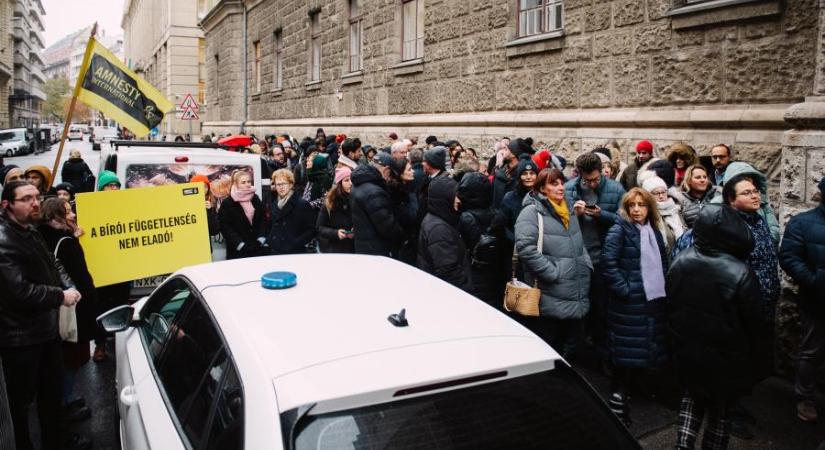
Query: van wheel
[9, 153]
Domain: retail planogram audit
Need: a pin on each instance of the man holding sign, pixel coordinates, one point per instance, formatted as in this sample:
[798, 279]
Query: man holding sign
[33, 286]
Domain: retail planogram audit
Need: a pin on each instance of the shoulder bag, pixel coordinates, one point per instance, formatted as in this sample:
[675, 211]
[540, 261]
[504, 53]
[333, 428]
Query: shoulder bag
[67, 318]
[519, 297]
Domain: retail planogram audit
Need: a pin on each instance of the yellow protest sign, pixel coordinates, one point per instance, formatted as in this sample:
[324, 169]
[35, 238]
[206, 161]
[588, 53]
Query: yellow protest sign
[136, 233]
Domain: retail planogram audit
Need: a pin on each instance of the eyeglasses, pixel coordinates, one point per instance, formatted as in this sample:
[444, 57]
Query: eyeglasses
[749, 193]
[27, 199]
[590, 181]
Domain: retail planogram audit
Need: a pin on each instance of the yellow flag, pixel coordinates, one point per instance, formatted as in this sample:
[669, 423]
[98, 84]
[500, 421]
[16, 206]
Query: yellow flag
[107, 85]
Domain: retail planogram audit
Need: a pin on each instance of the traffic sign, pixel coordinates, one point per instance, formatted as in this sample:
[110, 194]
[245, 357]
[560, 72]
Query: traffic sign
[189, 114]
[189, 103]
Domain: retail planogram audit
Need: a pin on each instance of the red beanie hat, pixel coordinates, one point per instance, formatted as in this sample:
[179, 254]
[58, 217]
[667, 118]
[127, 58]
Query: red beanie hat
[644, 146]
[542, 159]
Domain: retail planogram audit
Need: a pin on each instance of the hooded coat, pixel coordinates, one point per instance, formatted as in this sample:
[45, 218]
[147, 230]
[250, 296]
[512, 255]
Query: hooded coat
[802, 256]
[766, 211]
[686, 153]
[441, 251]
[77, 172]
[475, 219]
[562, 267]
[721, 340]
[637, 334]
[376, 229]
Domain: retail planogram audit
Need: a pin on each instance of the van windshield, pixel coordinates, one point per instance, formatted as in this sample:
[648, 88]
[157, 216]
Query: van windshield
[7, 136]
[548, 410]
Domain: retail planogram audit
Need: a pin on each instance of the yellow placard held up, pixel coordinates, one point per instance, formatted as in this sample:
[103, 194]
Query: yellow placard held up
[137, 233]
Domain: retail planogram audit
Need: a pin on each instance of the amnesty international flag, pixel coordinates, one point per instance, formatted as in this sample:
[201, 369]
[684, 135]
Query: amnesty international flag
[106, 84]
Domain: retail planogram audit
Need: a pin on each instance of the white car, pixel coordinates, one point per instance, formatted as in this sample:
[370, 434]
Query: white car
[215, 360]
[75, 133]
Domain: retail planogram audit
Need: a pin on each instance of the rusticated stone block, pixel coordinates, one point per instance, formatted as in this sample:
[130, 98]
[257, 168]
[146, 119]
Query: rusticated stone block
[573, 21]
[514, 90]
[776, 70]
[628, 12]
[556, 88]
[612, 44]
[793, 173]
[630, 81]
[689, 38]
[595, 85]
[816, 170]
[469, 94]
[656, 9]
[687, 77]
[597, 17]
[573, 4]
[800, 15]
[721, 33]
[578, 49]
[652, 37]
[763, 157]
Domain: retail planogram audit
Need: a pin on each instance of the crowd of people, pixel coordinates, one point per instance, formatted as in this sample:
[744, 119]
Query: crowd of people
[615, 250]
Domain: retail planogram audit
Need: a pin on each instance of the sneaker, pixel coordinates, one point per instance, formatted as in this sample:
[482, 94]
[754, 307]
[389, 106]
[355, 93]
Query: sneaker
[100, 354]
[806, 411]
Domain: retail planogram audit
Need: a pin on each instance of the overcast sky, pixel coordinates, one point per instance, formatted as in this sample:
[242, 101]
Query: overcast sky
[67, 16]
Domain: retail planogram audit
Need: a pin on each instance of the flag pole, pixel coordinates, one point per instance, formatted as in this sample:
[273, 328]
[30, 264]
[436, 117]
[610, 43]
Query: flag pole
[68, 120]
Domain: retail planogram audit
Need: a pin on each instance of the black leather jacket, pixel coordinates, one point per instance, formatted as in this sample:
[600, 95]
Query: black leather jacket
[31, 286]
[721, 337]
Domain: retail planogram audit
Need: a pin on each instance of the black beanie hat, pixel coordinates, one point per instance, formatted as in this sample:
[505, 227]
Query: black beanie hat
[519, 147]
[430, 140]
[436, 157]
[526, 163]
[5, 171]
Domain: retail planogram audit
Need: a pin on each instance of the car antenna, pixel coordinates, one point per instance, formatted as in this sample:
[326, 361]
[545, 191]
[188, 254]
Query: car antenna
[400, 319]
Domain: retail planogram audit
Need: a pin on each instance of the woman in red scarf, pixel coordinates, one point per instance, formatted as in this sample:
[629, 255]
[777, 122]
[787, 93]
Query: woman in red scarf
[241, 219]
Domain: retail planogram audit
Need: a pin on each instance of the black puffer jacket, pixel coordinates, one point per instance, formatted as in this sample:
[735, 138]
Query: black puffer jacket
[441, 252]
[76, 171]
[71, 257]
[31, 287]
[721, 340]
[376, 229]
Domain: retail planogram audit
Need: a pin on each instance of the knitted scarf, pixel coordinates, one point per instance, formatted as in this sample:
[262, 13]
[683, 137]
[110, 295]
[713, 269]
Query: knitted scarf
[244, 198]
[653, 277]
[563, 212]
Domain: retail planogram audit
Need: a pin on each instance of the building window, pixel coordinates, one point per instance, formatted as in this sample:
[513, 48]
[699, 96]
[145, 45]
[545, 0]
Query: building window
[315, 46]
[412, 22]
[277, 63]
[356, 57]
[256, 66]
[539, 16]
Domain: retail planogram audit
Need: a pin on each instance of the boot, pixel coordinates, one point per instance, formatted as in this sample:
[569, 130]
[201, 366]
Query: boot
[619, 406]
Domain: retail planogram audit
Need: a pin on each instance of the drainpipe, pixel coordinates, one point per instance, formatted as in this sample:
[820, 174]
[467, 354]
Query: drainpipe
[245, 74]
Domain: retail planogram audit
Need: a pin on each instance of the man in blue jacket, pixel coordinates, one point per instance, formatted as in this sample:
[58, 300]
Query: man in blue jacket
[802, 257]
[595, 199]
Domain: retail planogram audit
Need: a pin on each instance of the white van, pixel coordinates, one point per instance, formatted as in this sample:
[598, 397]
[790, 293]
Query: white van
[15, 141]
[149, 163]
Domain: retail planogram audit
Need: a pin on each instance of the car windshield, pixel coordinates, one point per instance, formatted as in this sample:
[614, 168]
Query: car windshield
[548, 410]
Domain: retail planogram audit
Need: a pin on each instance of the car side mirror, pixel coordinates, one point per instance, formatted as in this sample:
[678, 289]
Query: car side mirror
[117, 319]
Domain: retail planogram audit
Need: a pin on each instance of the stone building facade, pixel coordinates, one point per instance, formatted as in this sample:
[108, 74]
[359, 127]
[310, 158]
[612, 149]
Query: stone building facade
[573, 75]
[164, 44]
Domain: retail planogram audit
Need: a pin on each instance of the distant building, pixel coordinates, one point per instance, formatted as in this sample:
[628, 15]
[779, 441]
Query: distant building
[58, 56]
[27, 97]
[6, 60]
[166, 47]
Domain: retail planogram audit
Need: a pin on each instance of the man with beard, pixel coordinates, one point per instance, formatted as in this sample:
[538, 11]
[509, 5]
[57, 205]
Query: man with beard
[34, 286]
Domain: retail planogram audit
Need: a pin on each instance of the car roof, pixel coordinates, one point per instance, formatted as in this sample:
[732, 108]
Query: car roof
[335, 321]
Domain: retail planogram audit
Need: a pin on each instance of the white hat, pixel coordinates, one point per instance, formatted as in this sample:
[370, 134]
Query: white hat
[653, 183]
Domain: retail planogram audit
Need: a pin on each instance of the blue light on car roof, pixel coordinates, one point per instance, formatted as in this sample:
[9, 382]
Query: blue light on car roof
[279, 280]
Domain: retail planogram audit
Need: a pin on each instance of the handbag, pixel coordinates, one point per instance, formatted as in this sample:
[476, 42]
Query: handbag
[519, 297]
[67, 316]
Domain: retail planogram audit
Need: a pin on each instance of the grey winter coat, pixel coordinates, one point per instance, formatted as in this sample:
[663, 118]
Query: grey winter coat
[563, 267]
[691, 207]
